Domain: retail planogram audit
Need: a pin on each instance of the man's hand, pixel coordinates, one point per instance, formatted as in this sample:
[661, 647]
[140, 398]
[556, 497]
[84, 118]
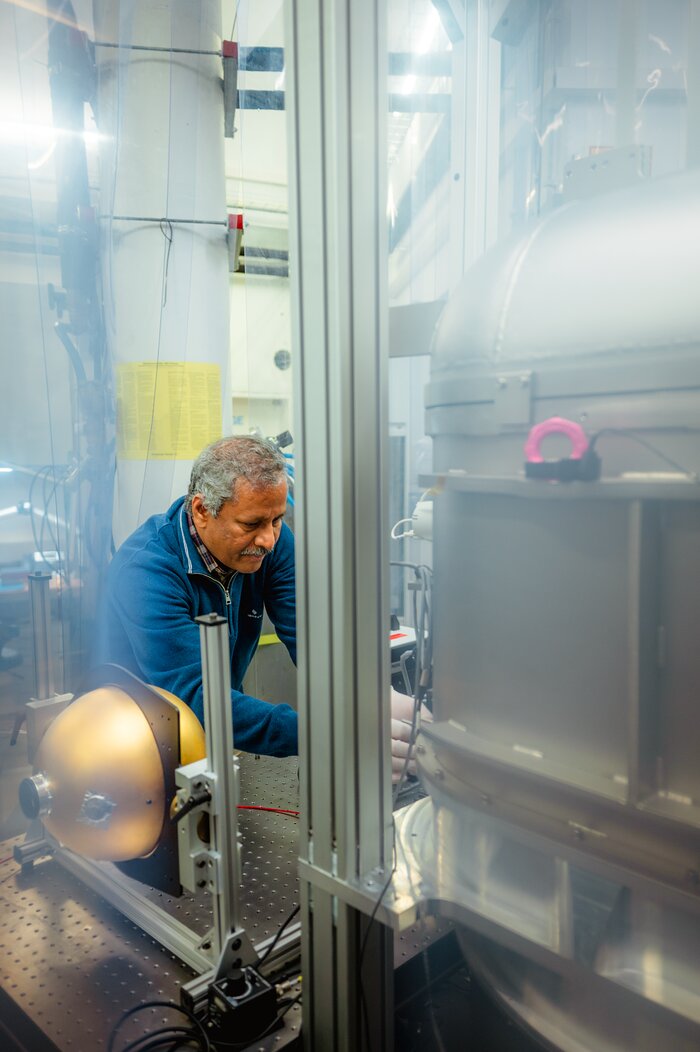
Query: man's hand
[401, 718]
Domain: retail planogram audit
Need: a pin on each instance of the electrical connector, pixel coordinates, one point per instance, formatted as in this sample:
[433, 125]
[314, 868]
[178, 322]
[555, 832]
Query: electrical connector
[585, 468]
[241, 1006]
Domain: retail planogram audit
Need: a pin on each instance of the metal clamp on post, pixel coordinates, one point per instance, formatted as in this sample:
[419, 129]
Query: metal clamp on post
[46, 704]
[43, 708]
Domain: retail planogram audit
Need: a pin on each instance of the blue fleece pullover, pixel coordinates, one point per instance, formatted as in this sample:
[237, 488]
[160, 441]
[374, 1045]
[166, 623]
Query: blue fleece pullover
[157, 584]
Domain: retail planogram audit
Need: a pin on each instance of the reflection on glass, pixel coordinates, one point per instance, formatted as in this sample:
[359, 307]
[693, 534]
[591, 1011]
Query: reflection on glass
[55, 400]
[594, 95]
[419, 145]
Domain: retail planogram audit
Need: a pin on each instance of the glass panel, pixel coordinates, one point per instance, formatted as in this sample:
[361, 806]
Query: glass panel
[262, 366]
[419, 152]
[420, 195]
[553, 215]
[56, 450]
[138, 320]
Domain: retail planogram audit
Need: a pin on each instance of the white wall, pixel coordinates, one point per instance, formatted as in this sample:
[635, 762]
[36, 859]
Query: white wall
[261, 392]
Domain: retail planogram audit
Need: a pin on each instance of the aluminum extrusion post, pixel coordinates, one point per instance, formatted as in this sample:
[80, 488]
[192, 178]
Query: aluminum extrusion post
[41, 624]
[216, 678]
[336, 104]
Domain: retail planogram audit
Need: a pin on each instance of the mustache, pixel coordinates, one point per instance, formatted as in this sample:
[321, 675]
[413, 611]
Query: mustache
[257, 551]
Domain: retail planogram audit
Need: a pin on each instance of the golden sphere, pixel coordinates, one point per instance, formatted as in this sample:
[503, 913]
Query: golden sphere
[101, 767]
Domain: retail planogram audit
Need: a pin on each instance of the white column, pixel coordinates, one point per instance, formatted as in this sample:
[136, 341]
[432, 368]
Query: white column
[165, 287]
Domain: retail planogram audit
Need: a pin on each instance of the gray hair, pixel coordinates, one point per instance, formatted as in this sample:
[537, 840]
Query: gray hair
[217, 468]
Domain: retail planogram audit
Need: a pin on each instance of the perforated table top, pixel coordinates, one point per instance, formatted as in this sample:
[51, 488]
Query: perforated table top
[72, 964]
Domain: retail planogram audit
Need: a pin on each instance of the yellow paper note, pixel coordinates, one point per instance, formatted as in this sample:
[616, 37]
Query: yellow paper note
[167, 410]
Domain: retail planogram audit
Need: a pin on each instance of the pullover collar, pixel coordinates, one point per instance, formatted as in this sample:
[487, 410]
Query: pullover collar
[222, 573]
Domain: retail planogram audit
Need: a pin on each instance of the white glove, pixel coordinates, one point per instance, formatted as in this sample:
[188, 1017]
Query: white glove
[401, 718]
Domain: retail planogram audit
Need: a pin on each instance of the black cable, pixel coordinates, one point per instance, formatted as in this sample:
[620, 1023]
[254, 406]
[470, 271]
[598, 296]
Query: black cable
[363, 948]
[196, 800]
[198, 1028]
[423, 669]
[278, 936]
[235, 19]
[431, 1007]
[53, 537]
[642, 442]
[403, 665]
[424, 953]
[62, 330]
[156, 1039]
[166, 229]
[396, 791]
[30, 499]
[287, 973]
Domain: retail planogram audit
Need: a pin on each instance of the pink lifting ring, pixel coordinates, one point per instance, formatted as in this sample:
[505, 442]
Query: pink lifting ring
[556, 425]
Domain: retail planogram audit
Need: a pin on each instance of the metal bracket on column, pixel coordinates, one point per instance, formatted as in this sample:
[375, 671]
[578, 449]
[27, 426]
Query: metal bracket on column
[238, 952]
[229, 51]
[41, 632]
[35, 845]
[46, 705]
[39, 714]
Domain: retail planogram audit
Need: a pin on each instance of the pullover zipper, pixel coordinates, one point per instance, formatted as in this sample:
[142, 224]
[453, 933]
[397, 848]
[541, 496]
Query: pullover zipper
[209, 577]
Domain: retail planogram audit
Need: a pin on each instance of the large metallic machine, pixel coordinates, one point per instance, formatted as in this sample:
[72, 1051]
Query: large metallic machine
[562, 763]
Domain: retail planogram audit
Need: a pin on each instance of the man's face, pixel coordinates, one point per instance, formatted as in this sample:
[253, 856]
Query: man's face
[247, 526]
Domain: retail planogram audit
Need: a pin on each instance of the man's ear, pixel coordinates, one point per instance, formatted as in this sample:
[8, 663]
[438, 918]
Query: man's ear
[200, 515]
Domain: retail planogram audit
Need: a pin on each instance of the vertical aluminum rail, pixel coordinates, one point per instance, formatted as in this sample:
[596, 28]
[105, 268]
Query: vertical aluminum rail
[476, 104]
[40, 601]
[336, 106]
[218, 723]
[692, 159]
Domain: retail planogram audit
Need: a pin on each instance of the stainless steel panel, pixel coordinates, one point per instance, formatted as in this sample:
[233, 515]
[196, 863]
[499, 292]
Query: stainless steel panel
[679, 725]
[531, 617]
[653, 950]
[591, 965]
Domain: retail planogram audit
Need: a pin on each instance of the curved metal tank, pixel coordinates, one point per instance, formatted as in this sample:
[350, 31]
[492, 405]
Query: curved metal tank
[563, 827]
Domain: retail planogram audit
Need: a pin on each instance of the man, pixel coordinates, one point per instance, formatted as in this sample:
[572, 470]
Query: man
[223, 548]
